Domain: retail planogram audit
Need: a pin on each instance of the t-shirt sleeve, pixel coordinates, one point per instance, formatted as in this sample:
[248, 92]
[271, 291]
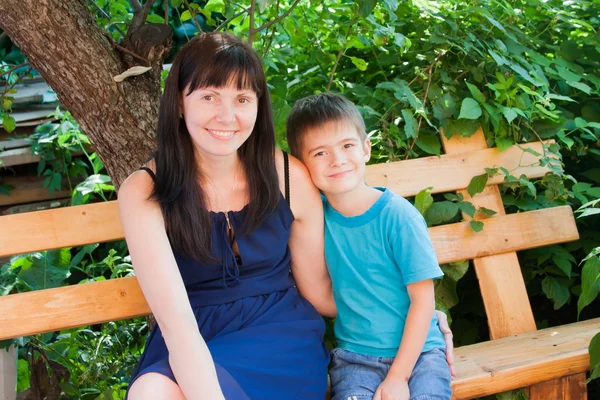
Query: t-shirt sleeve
[413, 251]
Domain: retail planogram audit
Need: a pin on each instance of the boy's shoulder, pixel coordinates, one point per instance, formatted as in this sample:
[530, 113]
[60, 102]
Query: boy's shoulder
[399, 209]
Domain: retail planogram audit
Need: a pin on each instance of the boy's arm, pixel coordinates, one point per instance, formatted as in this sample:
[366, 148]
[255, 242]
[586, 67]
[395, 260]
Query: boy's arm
[416, 328]
[418, 320]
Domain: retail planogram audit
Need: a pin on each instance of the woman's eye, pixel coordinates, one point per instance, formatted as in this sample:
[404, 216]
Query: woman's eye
[208, 98]
[244, 100]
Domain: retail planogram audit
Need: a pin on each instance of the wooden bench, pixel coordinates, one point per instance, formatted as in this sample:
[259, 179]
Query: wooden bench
[518, 356]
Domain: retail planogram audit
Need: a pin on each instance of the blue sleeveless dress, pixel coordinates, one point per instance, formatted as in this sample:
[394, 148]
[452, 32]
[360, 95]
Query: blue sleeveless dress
[266, 340]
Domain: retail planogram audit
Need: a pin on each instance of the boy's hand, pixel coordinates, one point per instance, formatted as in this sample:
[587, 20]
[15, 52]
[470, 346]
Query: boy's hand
[392, 389]
[443, 320]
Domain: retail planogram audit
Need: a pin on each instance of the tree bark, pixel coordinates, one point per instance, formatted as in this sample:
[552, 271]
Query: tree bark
[61, 40]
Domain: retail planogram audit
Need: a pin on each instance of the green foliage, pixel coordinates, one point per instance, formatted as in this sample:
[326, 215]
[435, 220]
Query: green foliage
[522, 72]
[594, 350]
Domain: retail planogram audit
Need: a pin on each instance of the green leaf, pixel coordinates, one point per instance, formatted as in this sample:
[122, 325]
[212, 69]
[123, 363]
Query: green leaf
[581, 86]
[568, 75]
[429, 143]
[487, 211]
[23, 375]
[360, 63]
[411, 125]
[186, 16]
[468, 208]
[594, 351]
[509, 113]
[590, 283]
[155, 19]
[503, 143]
[9, 123]
[476, 93]
[423, 200]
[556, 291]
[469, 109]
[46, 270]
[477, 226]
[444, 107]
[464, 127]
[441, 212]
[365, 7]
[477, 184]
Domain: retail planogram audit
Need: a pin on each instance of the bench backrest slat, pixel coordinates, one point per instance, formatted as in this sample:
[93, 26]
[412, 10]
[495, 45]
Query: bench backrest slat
[498, 275]
[91, 303]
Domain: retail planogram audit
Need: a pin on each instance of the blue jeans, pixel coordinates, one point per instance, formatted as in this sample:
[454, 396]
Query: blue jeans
[357, 377]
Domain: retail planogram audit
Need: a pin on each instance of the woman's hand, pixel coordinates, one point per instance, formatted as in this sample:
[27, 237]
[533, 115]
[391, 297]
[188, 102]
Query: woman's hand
[445, 328]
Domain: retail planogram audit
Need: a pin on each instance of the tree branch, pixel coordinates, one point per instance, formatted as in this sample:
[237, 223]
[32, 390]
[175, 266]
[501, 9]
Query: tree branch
[9, 87]
[139, 16]
[276, 20]
[137, 6]
[337, 60]
[166, 7]
[101, 11]
[14, 68]
[251, 30]
[225, 23]
[193, 12]
[431, 67]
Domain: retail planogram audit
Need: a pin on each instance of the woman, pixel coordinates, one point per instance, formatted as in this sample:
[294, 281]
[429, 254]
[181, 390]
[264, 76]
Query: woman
[207, 218]
[213, 241]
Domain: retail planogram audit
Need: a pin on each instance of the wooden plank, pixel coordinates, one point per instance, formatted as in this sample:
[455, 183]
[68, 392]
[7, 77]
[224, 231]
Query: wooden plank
[28, 189]
[71, 306]
[14, 157]
[14, 144]
[507, 233]
[499, 274]
[58, 228]
[8, 373]
[569, 388]
[60, 308]
[100, 222]
[522, 360]
[452, 172]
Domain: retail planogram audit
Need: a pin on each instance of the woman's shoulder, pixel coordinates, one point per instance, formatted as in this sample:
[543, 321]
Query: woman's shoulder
[296, 168]
[138, 186]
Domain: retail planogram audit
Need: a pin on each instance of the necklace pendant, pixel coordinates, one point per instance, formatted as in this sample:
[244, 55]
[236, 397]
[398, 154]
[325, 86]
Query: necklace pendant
[227, 219]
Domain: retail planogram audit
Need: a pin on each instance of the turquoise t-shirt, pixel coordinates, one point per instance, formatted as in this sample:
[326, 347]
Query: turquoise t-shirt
[371, 258]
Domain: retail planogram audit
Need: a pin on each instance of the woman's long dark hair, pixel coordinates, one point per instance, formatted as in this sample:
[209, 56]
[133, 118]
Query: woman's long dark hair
[211, 59]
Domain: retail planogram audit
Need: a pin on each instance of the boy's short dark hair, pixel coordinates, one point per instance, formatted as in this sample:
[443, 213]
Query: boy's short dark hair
[319, 109]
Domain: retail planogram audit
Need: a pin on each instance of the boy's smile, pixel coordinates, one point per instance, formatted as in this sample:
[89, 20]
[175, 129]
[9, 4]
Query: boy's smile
[335, 156]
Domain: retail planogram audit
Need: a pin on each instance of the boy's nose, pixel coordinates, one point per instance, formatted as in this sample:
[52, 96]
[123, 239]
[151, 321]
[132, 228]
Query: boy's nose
[338, 159]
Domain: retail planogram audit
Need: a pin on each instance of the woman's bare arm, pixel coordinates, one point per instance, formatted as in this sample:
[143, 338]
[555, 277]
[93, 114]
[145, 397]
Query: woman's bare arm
[307, 239]
[163, 287]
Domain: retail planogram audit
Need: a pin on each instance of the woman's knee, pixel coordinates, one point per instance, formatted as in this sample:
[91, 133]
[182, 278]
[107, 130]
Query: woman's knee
[154, 386]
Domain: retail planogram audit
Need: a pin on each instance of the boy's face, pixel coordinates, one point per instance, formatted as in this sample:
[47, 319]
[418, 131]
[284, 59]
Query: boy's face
[335, 156]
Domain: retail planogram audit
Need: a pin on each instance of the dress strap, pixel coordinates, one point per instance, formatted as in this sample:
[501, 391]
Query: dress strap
[286, 169]
[150, 172]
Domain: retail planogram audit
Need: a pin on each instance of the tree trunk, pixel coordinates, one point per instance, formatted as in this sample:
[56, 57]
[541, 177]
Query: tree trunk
[61, 40]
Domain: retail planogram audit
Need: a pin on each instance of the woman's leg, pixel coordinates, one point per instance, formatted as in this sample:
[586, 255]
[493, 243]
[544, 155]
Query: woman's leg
[154, 386]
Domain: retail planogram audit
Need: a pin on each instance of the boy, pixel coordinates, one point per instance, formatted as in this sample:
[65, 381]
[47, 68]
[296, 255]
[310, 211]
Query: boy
[381, 263]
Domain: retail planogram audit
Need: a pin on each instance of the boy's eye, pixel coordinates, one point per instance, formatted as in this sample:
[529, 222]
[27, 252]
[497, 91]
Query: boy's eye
[319, 153]
[348, 145]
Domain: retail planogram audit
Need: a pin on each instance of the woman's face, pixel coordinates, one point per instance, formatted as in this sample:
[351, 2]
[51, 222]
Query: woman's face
[219, 120]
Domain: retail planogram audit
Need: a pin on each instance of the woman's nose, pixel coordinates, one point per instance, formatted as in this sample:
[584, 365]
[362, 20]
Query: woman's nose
[225, 113]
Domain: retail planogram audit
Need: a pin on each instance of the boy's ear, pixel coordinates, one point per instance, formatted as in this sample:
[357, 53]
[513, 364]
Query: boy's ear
[367, 150]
